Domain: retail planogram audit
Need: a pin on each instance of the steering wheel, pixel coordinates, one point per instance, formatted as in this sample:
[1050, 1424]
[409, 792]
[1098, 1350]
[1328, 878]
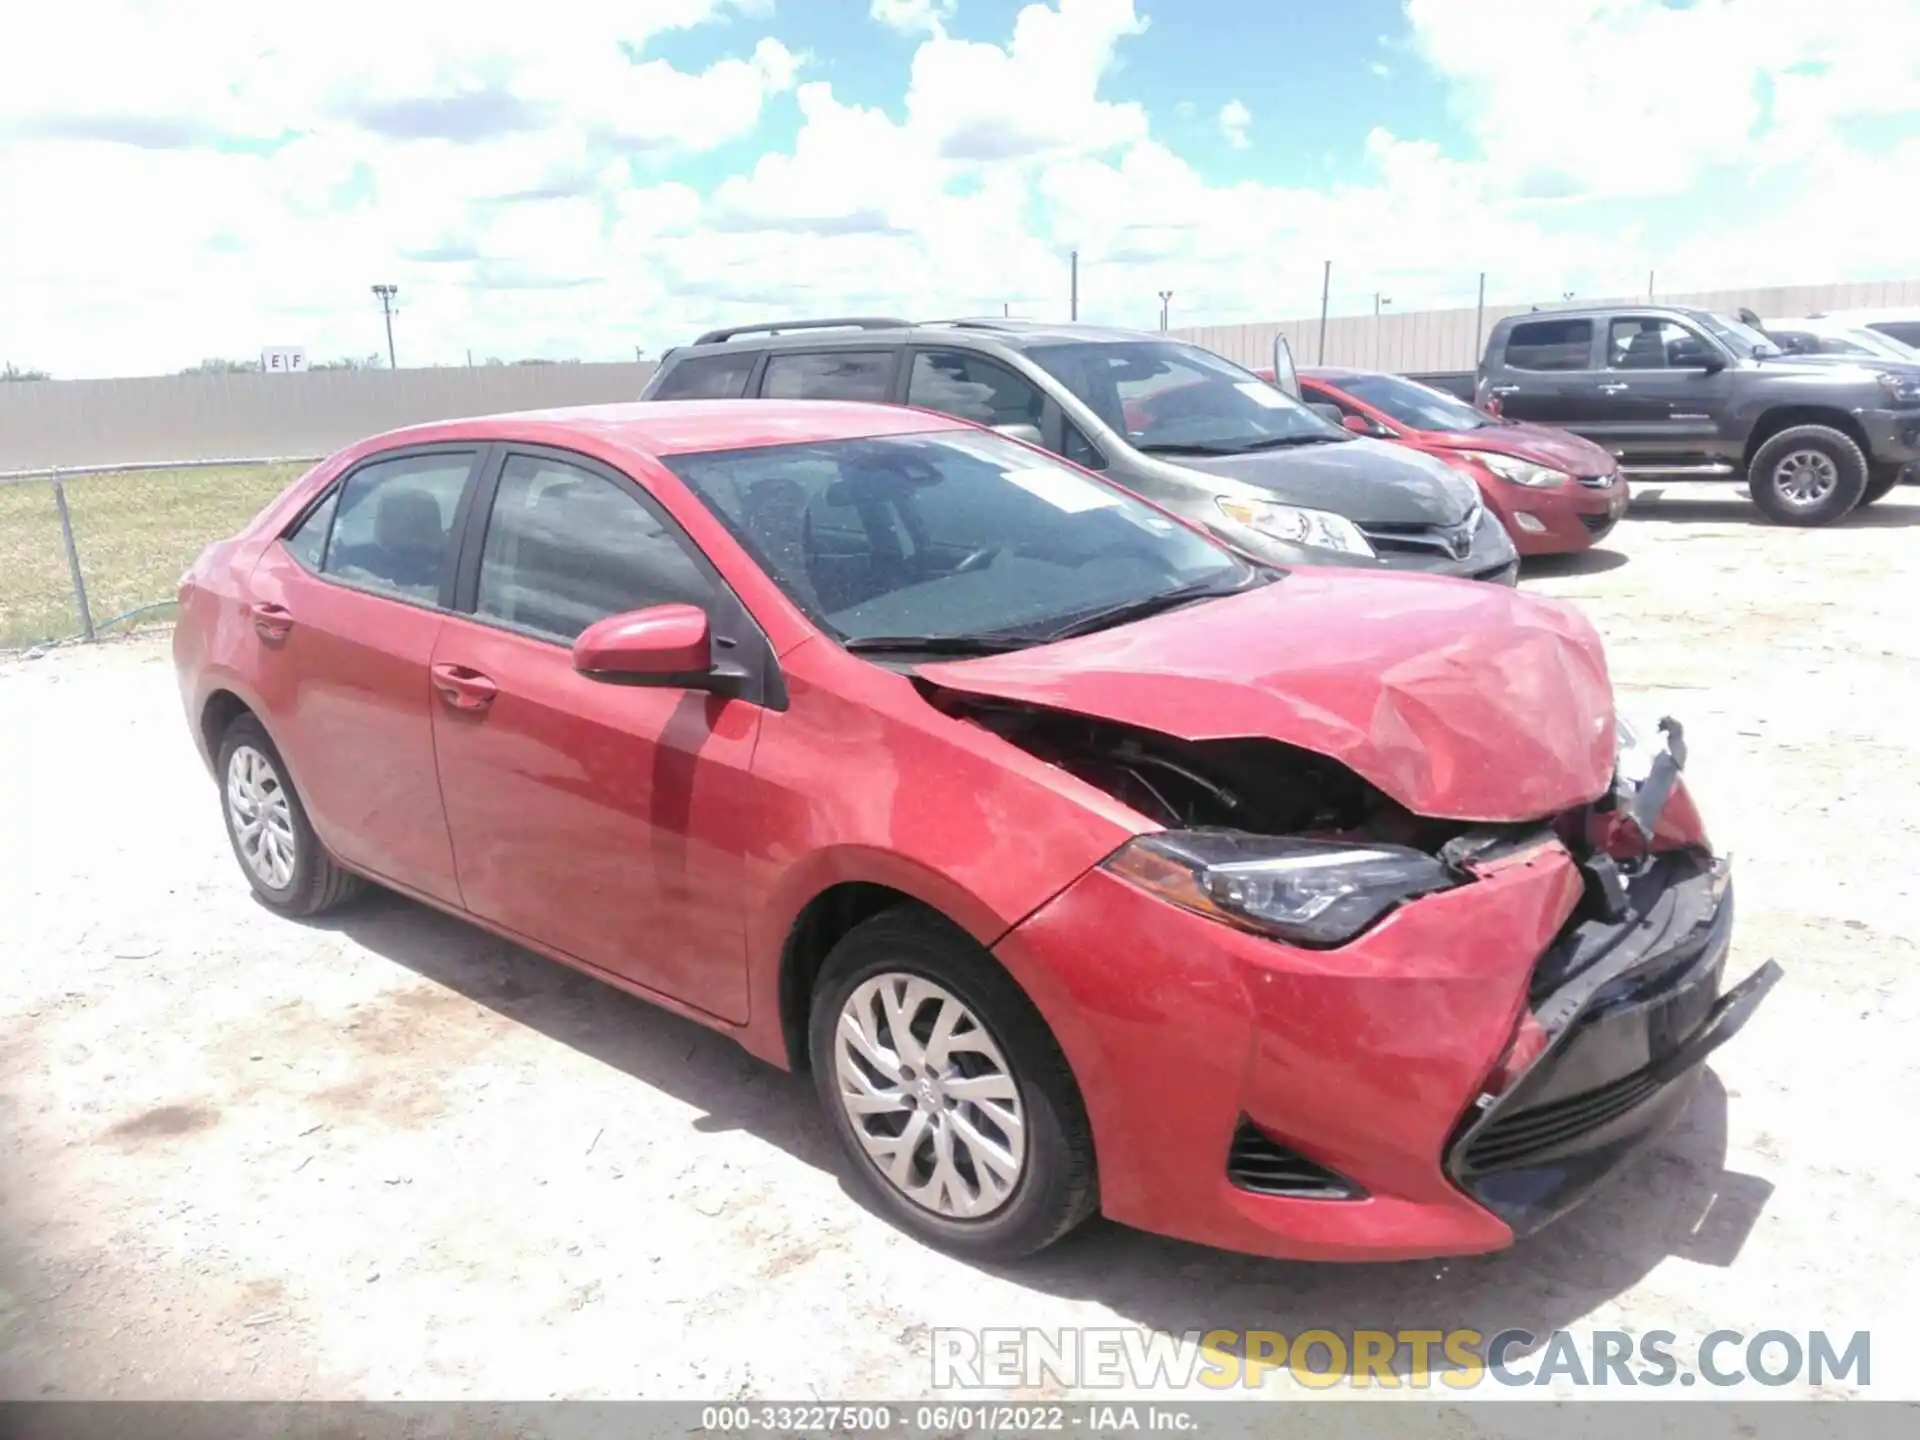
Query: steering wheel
[976, 559]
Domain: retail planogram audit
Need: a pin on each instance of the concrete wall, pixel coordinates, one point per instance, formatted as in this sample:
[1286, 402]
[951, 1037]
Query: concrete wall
[1445, 339]
[77, 423]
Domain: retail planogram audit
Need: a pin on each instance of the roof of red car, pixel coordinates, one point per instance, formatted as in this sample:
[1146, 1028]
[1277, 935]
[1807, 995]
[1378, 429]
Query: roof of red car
[678, 427]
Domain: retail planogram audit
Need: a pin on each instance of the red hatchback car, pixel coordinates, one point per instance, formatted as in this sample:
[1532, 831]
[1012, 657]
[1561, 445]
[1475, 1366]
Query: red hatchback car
[1555, 492]
[1084, 863]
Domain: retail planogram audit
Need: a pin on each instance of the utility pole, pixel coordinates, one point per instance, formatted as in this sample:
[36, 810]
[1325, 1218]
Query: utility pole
[1326, 289]
[386, 294]
[1649, 285]
[1073, 285]
[1379, 303]
[1166, 297]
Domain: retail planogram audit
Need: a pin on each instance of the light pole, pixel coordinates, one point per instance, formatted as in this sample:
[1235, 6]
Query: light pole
[386, 294]
[1165, 297]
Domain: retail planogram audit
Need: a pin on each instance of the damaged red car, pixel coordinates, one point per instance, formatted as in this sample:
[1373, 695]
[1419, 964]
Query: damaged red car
[1084, 863]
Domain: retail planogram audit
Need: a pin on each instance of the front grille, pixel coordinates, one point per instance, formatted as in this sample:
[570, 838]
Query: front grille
[1261, 1164]
[1515, 1139]
[1453, 541]
[1600, 482]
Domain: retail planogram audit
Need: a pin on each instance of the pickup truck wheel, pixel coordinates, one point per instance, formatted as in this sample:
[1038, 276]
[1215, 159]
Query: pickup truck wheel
[1885, 477]
[1807, 475]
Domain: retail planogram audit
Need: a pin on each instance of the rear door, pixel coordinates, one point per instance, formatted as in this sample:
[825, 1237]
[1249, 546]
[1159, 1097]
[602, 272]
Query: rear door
[605, 821]
[1546, 373]
[869, 374]
[348, 607]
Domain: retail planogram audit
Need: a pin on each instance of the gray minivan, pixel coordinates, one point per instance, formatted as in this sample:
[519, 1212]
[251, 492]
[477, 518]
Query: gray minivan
[1168, 420]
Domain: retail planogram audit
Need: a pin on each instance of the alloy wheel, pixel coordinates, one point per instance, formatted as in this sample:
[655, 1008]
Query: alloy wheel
[1803, 478]
[262, 817]
[930, 1096]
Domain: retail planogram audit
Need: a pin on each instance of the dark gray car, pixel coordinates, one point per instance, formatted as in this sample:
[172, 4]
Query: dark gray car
[1691, 394]
[1172, 422]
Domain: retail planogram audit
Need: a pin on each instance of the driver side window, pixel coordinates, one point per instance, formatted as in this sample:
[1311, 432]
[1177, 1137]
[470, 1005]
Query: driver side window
[1645, 342]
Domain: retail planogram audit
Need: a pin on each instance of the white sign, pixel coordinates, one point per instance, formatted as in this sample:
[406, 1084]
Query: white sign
[283, 359]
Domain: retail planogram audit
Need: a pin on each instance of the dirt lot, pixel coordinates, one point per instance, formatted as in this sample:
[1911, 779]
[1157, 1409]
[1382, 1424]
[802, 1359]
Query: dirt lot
[389, 1155]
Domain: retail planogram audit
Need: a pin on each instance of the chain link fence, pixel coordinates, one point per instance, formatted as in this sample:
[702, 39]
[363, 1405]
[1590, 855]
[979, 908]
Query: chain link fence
[85, 553]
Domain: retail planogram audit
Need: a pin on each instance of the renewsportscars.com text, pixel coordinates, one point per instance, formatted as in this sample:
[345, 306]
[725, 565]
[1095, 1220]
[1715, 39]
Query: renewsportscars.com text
[1124, 1358]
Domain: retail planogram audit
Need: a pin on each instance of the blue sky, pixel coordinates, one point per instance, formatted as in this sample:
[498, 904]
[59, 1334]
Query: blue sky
[616, 174]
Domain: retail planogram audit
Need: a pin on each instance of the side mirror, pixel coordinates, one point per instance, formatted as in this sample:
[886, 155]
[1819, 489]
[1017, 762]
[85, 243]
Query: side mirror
[1286, 377]
[1026, 434]
[1693, 355]
[1332, 414]
[1359, 424]
[666, 645]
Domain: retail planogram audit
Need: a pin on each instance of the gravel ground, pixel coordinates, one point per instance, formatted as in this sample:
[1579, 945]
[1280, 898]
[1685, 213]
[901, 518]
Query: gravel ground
[391, 1156]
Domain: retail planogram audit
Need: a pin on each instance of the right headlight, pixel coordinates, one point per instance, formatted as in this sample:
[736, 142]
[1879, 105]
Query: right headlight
[1296, 525]
[1520, 472]
[1313, 893]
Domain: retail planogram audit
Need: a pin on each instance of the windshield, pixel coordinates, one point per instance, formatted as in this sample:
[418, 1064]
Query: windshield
[1172, 398]
[949, 534]
[1745, 341]
[1413, 404]
[1871, 342]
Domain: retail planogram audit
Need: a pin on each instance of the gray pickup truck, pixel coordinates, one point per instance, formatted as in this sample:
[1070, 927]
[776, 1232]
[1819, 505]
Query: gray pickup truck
[1679, 393]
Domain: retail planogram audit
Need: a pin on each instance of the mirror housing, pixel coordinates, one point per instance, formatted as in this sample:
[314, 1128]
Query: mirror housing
[1696, 355]
[1332, 414]
[1359, 424]
[1286, 376]
[1019, 430]
[665, 645]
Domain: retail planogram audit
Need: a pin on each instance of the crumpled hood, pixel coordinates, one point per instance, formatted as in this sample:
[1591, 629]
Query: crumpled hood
[1537, 443]
[1460, 701]
[1368, 481]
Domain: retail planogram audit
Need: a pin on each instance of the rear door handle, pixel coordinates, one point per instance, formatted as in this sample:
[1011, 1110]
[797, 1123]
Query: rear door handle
[272, 621]
[462, 688]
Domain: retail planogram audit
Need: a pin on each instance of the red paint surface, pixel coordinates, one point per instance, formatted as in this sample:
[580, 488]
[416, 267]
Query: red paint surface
[666, 839]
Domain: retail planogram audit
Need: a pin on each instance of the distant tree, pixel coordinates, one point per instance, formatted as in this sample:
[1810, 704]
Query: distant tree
[349, 362]
[14, 372]
[218, 366]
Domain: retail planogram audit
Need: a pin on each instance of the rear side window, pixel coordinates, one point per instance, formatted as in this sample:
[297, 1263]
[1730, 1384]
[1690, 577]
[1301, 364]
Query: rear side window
[956, 383]
[566, 547]
[1551, 345]
[830, 375]
[706, 377]
[394, 517]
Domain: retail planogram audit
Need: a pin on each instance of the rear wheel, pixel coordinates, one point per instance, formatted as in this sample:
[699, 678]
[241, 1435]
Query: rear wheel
[272, 838]
[957, 1112]
[1884, 478]
[1807, 475]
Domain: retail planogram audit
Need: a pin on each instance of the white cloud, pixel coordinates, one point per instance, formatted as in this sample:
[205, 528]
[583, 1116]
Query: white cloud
[1234, 120]
[913, 17]
[230, 174]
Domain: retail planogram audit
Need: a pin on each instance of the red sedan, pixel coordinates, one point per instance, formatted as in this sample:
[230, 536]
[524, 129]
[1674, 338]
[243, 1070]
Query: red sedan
[1084, 863]
[1555, 492]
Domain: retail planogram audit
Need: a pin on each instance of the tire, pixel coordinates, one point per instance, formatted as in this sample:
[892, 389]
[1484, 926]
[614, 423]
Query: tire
[291, 872]
[1055, 1187]
[1885, 477]
[1801, 453]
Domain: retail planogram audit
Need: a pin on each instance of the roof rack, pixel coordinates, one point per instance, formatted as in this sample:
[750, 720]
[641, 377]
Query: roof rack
[841, 322]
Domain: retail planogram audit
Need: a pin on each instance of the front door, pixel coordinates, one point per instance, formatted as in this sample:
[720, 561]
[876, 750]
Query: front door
[1668, 405]
[348, 610]
[606, 821]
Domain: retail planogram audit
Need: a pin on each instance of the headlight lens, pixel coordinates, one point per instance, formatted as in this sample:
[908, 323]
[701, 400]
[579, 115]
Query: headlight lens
[1314, 893]
[1901, 389]
[1520, 472]
[1320, 529]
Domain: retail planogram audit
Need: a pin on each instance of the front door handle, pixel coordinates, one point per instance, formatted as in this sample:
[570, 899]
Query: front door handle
[1503, 389]
[272, 621]
[1613, 388]
[462, 688]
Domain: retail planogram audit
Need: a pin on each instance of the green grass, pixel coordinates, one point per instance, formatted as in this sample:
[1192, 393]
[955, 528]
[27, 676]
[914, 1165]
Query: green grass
[135, 533]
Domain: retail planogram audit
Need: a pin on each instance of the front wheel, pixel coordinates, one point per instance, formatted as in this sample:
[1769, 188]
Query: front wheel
[1885, 477]
[272, 838]
[1807, 475]
[956, 1110]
